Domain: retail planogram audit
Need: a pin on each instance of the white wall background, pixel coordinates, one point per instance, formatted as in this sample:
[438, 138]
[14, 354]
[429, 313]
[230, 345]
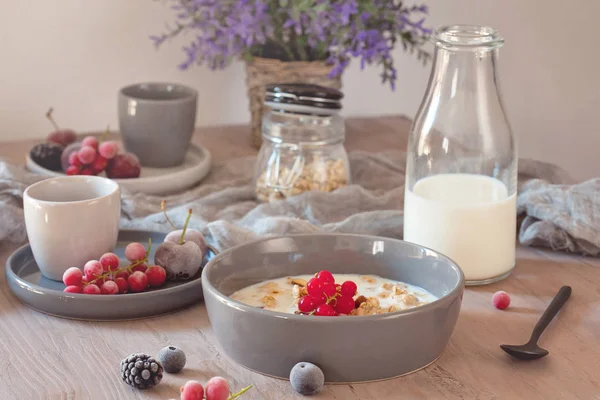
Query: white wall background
[75, 54]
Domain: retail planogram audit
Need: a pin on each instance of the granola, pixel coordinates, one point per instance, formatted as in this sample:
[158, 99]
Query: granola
[319, 175]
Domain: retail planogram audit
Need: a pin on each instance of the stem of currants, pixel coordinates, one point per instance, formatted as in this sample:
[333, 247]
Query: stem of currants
[49, 116]
[129, 268]
[187, 221]
[238, 394]
[164, 210]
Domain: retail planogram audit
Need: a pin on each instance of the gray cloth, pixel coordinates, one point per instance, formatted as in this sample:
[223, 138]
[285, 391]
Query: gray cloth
[558, 215]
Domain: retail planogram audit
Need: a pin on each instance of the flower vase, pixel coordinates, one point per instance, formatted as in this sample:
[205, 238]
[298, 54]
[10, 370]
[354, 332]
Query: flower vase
[264, 71]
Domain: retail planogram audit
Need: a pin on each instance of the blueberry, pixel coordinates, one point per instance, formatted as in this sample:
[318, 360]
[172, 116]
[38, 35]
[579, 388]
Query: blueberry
[306, 378]
[172, 359]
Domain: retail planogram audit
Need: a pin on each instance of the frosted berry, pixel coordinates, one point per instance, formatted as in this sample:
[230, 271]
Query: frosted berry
[307, 379]
[90, 141]
[156, 276]
[73, 170]
[110, 262]
[325, 277]
[307, 304]
[86, 155]
[122, 274]
[217, 388]
[73, 289]
[142, 267]
[141, 371]
[344, 305]
[501, 300]
[66, 154]
[99, 164]
[108, 149]
[192, 390]
[138, 281]
[122, 284]
[124, 166]
[135, 251]
[91, 289]
[92, 269]
[325, 310]
[172, 359]
[73, 276]
[349, 288]
[109, 287]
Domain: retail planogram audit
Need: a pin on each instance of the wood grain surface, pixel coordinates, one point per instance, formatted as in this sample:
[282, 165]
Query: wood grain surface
[44, 357]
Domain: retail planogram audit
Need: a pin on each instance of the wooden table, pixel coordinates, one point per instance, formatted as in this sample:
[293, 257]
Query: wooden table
[52, 358]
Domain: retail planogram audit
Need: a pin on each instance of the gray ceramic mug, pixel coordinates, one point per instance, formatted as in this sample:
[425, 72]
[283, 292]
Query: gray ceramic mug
[157, 121]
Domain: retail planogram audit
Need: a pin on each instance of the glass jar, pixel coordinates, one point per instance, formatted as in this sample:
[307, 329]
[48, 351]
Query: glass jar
[461, 174]
[303, 142]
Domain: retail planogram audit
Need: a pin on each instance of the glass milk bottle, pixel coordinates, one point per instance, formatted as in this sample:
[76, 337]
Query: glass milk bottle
[461, 173]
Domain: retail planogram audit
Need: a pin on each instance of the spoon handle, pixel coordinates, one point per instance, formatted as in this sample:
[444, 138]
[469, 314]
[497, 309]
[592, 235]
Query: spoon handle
[559, 300]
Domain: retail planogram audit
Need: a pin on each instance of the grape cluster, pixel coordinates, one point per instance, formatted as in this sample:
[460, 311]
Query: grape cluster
[104, 276]
[326, 298]
[217, 388]
[92, 157]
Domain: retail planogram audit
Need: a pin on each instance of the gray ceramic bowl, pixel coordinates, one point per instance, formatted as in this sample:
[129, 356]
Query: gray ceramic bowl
[348, 349]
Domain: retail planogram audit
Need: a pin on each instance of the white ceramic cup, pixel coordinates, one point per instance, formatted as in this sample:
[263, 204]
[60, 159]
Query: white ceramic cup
[71, 220]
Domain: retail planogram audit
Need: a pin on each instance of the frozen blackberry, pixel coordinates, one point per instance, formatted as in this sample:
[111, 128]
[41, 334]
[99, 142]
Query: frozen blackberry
[141, 371]
[47, 155]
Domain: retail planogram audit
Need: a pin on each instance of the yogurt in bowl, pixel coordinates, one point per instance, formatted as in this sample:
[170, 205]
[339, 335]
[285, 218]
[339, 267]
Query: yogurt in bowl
[374, 294]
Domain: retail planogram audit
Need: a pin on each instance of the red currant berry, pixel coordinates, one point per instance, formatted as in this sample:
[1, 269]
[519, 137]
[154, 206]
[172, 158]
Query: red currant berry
[307, 304]
[325, 277]
[122, 274]
[314, 287]
[138, 281]
[321, 299]
[329, 289]
[91, 289]
[501, 300]
[325, 310]
[140, 267]
[110, 262]
[73, 276]
[109, 287]
[156, 275]
[72, 170]
[73, 289]
[345, 304]
[122, 284]
[349, 288]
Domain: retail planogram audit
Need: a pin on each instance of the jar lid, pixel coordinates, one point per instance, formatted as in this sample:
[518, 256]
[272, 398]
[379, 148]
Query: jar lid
[303, 98]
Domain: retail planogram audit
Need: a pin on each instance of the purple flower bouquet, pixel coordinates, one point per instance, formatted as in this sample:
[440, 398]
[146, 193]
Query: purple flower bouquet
[329, 31]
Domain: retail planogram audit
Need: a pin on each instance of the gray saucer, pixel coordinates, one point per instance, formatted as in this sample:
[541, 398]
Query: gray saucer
[42, 294]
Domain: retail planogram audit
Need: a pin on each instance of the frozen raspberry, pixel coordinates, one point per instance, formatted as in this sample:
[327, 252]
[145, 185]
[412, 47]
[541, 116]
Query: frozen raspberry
[501, 300]
[123, 166]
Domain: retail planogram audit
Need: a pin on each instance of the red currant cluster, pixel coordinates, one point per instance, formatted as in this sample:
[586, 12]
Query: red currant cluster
[105, 277]
[326, 298]
[92, 158]
[217, 388]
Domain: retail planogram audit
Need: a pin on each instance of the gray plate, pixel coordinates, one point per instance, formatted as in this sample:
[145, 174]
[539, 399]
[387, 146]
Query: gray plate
[32, 288]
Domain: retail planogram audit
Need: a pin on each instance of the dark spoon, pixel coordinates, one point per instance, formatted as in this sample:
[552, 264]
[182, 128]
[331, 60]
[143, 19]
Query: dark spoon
[531, 350]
